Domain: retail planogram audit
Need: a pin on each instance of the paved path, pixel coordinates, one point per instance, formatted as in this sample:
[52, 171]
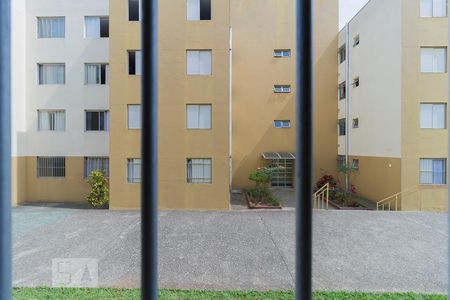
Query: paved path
[371, 251]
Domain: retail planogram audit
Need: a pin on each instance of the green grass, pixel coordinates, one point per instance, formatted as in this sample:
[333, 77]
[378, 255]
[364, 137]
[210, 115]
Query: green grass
[130, 294]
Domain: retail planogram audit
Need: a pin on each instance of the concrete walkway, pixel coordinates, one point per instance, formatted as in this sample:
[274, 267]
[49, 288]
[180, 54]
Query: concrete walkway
[370, 251]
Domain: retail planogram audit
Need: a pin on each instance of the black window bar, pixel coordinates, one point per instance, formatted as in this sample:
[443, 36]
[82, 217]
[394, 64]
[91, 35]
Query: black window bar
[5, 151]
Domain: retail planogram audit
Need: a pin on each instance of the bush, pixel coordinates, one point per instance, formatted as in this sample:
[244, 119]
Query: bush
[261, 192]
[324, 180]
[99, 195]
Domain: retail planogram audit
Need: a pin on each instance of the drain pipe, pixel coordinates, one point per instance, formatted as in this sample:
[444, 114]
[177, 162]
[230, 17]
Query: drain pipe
[230, 108]
[347, 104]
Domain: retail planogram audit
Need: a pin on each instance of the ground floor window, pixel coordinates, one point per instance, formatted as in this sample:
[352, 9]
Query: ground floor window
[96, 164]
[433, 171]
[283, 177]
[51, 167]
[134, 170]
[199, 170]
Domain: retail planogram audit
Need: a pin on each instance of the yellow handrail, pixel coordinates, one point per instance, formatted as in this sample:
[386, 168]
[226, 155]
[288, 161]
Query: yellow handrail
[321, 196]
[394, 199]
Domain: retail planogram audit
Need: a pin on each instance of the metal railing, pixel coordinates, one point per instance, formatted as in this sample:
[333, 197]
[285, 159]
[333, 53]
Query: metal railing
[393, 203]
[321, 197]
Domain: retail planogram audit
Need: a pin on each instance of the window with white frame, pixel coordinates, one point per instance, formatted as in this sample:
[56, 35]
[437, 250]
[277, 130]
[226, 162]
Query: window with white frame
[433, 171]
[342, 90]
[134, 170]
[432, 115]
[342, 127]
[198, 62]
[341, 55]
[134, 62]
[198, 10]
[51, 74]
[199, 170]
[281, 89]
[51, 27]
[356, 82]
[282, 53]
[51, 120]
[433, 60]
[356, 41]
[97, 120]
[100, 164]
[198, 116]
[282, 124]
[51, 167]
[356, 123]
[134, 10]
[433, 8]
[134, 116]
[355, 164]
[341, 162]
[96, 27]
[96, 73]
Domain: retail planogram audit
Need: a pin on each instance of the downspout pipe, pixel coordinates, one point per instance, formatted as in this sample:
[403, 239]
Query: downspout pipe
[347, 105]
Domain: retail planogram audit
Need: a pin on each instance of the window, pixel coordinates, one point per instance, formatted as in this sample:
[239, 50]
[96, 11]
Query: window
[282, 53]
[356, 41]
[199, 170]
[134, 10]
[282, 124]
[342, 91]
[96, 164]
[433, 171]
[432, 115]
[433, 60]
[51, 27]
[198, 116]
[135, 62]
[355, 164]
[342, 127]
[356, 82]
[51, 167]
[341, 54]
[198, 10]
[433, 8]
[281, 89]
[198, 62]
[96, 27]
[134, 116]
[341, 162]
[96, 74]
[283, 175]
[356, 123]
[51, 120]
[97, 121]
[51, 74]
[134, 170]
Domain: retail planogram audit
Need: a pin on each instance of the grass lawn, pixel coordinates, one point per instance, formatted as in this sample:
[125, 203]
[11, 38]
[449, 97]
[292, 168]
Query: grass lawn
[130, 294]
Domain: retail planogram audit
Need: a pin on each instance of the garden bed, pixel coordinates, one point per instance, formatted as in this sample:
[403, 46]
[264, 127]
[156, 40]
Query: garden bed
[252, 204]
[337, 206]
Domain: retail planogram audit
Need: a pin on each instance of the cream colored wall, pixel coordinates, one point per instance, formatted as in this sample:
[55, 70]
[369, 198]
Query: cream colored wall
[176, 89]
[418, 87]
[255, 71]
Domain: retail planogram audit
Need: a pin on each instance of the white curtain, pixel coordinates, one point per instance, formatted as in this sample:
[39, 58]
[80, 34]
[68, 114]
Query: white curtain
[51, 74]
[426, 60]
[43, 120]
[134, 116]
[96, 164]
[193, 10]
[93, 73]
[192, 117]
[426, 171]
[439, 116]
[204, 117]
[59, 120]
[426, 8]
[107, 74]
[51, 27]
[51, 120]
[426, 115]
[92, 27]
[439, 174]
[192, 62]
[440, 62]
[134, 170]
[439, 8]
[205, 63]
[138, 63]
[106, 117]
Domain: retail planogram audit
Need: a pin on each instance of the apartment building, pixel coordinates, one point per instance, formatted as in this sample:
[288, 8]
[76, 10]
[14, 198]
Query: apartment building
[226, 97]
[60, 95]
[393, 101]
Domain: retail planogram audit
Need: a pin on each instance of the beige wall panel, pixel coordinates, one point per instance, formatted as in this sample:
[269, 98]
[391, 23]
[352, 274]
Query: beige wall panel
[19, 180]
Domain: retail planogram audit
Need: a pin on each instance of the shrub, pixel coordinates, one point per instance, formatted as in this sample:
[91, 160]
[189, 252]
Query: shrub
[261, 192]
[99, 195]
[326, 179]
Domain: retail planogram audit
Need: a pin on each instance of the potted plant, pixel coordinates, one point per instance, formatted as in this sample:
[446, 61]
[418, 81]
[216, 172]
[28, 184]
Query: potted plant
[261, 196]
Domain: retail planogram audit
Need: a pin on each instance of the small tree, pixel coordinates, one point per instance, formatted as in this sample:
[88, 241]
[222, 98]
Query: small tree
[347, 171]
[99, 195]
[262, 178]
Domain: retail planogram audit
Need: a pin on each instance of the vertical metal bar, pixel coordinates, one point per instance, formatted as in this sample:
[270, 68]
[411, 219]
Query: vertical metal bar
[304, 151]
[5, 151]
[149, 192]
[347, 106]
[448, 137]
